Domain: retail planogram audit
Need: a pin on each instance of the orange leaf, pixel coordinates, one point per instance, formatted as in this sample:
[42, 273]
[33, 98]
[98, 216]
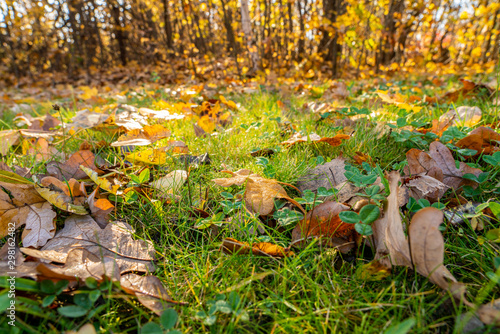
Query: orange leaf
[233, 246]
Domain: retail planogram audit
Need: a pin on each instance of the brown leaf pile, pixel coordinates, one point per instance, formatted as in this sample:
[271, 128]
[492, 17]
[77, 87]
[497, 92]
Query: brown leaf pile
[440, 164]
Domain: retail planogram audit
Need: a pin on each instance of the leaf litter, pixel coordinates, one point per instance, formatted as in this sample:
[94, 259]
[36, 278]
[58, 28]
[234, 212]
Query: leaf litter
[91, 244]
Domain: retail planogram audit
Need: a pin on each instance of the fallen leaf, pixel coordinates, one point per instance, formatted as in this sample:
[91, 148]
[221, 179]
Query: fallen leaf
[298, 138]
[360, 157]
[145, 136]
[328, 175]
[16, 202]
[81, 264]
[40, 226]
[100, 181]
[100, 209]
[9, 254]
[170, 183]
[421, 163]
[426, 187]
[373, 271]
[71, 168]
[233, 246]
[149, 291]
[388, 236]
[85, 119]
[427, 246]
[463, 116]
[324, 222]
[114, 241]
[60, 200]
[151, 156]
[8, 138]
[9, 177]
[70, 188]
[259, 193]
[484, 140]
[452, 176]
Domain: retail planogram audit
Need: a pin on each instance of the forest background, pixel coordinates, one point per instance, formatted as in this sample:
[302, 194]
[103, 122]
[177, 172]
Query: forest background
[220, 38]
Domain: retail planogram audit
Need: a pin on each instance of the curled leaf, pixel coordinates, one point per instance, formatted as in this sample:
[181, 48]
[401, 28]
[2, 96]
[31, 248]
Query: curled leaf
[233, 246]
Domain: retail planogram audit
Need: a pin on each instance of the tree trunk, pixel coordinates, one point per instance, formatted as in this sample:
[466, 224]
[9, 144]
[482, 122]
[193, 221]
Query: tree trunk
[247, 30]
[168, 25]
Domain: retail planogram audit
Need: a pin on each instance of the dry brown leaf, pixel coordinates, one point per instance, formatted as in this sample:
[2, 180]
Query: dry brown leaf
[39, 148]
[327, 175]
[420, 163]
[16, 203]
[40, 226]
[85, 119]
[81, 264]
[313, 137]
[388, 235]
[149, 291]
[259, 193]
[71, 168]
[452, 176]
[163, 115]
[21, 268]
[70, 188]
[427, 246]
[337, 91]
[199, 132]
[324, 222]
[426, 187]
[8, 138]
[360, 157]
[170, 183]
[145, 136]
[114, 241]
[233, 246]
[482, 139]
[465, 116]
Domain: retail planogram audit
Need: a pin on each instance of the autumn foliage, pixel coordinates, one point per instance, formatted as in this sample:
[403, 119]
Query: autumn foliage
[312, 38]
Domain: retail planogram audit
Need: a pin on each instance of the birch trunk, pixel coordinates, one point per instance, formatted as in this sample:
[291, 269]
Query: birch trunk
[247, 30]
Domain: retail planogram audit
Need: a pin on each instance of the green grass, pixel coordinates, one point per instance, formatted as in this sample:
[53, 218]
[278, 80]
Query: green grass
[315, 291]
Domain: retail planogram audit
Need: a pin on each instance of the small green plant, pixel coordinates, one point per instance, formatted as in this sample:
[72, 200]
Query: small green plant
[367, 215]
[362, 178]
[286, 217]
[84, 299]
[168, 320]
[231, 203]
[269, 170]
[493, 159]
[52, 290]
[217, 219]
[137, 180]
[495, 275]
[309, 199]
[414, 205]
[485, 186]
[221, 305]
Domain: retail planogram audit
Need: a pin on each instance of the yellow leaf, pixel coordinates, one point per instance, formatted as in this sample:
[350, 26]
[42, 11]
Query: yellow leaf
[88, 92]
[149, 157]
[206, 123]
[60, 200]
[100, 181]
